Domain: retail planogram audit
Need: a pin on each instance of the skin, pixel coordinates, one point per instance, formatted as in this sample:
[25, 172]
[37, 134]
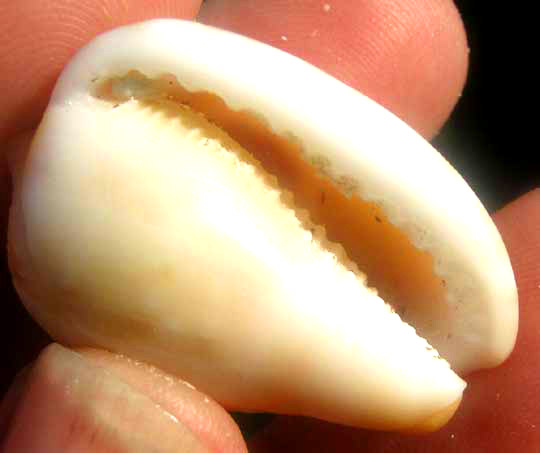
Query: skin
[411, 56]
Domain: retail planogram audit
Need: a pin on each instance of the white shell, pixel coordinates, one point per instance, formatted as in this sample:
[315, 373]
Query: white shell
[295, 340]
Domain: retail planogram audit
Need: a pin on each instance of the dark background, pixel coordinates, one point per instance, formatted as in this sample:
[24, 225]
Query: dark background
[490, 137]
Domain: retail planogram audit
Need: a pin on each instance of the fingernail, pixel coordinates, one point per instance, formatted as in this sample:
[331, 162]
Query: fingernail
[71, 404]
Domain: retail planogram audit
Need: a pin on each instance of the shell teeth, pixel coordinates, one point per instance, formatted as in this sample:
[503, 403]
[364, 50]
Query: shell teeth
[167, 210]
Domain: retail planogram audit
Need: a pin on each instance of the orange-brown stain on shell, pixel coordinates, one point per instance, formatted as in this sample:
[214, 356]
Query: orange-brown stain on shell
[402, 274]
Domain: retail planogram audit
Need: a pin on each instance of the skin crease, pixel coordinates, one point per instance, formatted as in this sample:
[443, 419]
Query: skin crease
[410, 55]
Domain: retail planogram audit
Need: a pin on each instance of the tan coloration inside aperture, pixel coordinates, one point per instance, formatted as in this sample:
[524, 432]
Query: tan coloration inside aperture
[402, 274]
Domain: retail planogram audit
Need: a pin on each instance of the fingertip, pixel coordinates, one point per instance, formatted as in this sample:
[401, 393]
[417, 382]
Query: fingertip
[519, 224]
[70, 405]
[409, 55]
[201, 414]
[93, 401]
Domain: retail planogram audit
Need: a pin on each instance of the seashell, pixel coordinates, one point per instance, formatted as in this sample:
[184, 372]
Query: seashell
[221, 209]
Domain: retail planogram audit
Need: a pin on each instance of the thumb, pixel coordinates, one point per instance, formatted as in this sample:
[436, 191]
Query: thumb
[95, 401]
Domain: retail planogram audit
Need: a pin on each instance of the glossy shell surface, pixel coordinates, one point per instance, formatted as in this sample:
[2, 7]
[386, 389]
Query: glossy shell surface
[177, 260]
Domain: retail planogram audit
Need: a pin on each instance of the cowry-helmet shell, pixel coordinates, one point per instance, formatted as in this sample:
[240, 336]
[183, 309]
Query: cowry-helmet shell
[143, 228]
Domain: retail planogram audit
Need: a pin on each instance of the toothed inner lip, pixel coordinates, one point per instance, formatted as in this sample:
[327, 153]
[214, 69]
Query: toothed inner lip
[402, 274]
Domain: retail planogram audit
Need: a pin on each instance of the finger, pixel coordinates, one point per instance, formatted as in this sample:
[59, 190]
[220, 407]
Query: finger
[499, 412]
[409, 55]
[44, 35]
[98, 402]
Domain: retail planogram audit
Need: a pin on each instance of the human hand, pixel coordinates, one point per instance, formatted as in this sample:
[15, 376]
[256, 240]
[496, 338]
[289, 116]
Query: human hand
[388, 52]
